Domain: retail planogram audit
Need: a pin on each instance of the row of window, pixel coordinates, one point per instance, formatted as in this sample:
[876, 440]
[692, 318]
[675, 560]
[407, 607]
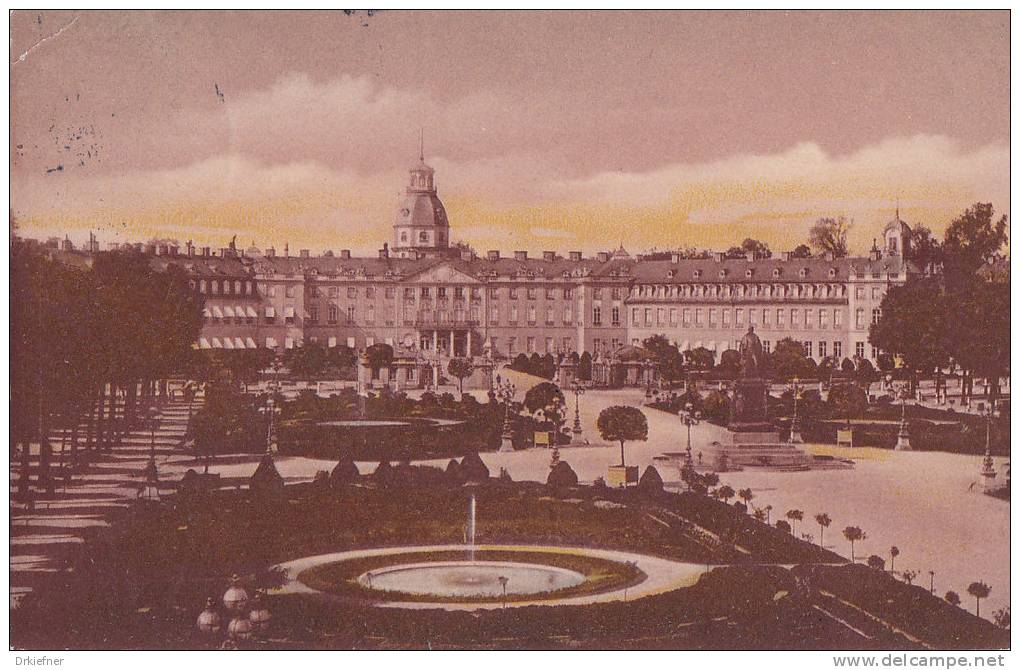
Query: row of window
[222, 286]
[739, 291]
[712, 317]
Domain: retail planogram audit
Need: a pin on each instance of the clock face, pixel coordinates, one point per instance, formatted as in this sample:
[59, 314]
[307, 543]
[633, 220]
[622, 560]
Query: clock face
[405, 211]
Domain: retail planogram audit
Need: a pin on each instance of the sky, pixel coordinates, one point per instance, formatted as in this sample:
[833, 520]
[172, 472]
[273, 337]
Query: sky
[558, 131]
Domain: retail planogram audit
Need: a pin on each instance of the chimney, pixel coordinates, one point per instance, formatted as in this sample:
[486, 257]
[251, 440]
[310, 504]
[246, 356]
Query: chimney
[674, 258]
[161, 250]
[718, 256]
[385, 251]
[520, 255]
[784, 256]
[345, 254]
[575, 256]
[224, 252]
[67, 244]
[174, 249]
[466, 255]
[875, 252]
[602, 257]
[191, 248]
[829, 256]
[139, 247]
[305, 253]
[286, 249]
[206, 252]
[328, 253]
[271, 252]
[548, 255]
[149, 249]
[750, 256]
[492, 255]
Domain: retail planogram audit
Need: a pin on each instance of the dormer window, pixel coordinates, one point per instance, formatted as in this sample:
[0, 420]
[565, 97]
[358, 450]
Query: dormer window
[777, 272]
[670, 274]
[803, 272]
[723, 273]
[697, 274]
[748, 273]
[832, 273]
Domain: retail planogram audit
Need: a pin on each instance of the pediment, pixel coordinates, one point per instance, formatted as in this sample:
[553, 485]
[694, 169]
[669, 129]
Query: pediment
[443, 273]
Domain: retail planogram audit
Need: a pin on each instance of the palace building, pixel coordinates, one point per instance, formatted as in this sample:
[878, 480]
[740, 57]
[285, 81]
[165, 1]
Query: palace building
[431, 301]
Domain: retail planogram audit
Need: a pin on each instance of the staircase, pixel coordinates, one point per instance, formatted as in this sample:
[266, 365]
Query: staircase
[46, 529]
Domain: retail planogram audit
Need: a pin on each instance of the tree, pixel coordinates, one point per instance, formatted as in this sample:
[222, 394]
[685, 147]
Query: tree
[546, 399]
[828, 235]
[725, 492]
[801, 251]
[341, 357]
[561, 476]
[894, 551]
[823, 521]
[876, 562]
[307, 360]
[584, 367]
[979, 590]
[925, 250]
[650, 482]
[784, 526]
[729, 364]
[909, 576]
[972, 240]
[746, 495]
[795, 515]
[461, 369]
[757, 247]
[1001, 617]
[789, 360]
[853, 534]
[700, 359]
[915, 325]
[716, 407]
[847, 400]
[378, 356]
[953, 598]
[620, 423]
[979, 332]
[668, 359]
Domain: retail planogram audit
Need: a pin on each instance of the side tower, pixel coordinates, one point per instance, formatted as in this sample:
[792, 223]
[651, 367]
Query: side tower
[421, 228]
[897, 237]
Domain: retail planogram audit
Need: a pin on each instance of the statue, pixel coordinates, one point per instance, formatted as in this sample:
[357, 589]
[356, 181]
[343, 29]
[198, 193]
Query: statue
[752, 357]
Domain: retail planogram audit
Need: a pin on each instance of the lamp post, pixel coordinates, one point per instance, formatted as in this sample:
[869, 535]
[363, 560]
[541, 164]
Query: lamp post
[502, 582]
[649, 366]
[931, 584]
[795, 436]
[987, 464]
[578, 390]
[903, 436]
[689, 418]
[504, 392]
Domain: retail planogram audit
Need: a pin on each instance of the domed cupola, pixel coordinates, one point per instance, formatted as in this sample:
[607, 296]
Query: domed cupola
[421, 227]
[897, 236]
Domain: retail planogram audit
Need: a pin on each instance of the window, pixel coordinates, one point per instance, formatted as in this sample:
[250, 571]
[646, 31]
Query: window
[752, 316]
[568, 315]
[809, 314]
[334, 291]
[648, 316]
[766, 317]
[550, 293]
[423, 237]
[859, 349]
[567, 294]
[672, 316]
[513, 314]
[550, 316]
[441, 292]
[390, 292]
[426, 292]
[697, 317]
[458, 292]
[511, 345]
[289, 291]
[350, 314]
[807, 349]
[550, 348]
[874, 351]
[876, 315]
[859, 318]
[859, 293]
[766, 346]
[794, 318]
[780, 318]
[596, 293]
[531, 314]
[531, 345]
[822, 349]
[531, 293]
[494, 315]
[513, 294]
[313, 314]
[493, 292]
[660, 316]
[616, 293]
[876, 293]
[837, 349]
[837, 318]
[370, 317]
[597, 344]
[352, 292]
[596, 316]
[740, 317]
[568, 345]
[687, 317]
[823, 318]
[333, 314]
[614, 314]
[711, 318]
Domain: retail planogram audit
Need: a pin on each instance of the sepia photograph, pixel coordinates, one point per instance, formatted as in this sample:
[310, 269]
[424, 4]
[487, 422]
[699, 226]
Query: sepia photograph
[442, 330]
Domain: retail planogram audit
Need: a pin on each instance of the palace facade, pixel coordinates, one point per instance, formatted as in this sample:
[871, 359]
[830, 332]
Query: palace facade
[433, 301]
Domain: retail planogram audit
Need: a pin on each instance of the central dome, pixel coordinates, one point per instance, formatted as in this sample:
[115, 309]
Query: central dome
[421, 227]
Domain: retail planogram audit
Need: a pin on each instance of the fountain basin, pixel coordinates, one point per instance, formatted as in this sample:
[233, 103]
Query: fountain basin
[472, 579]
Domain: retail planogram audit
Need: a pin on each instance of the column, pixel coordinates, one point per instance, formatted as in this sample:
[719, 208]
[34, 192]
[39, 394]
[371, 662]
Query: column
[451, 342]
[468, 343]
[435, 341]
